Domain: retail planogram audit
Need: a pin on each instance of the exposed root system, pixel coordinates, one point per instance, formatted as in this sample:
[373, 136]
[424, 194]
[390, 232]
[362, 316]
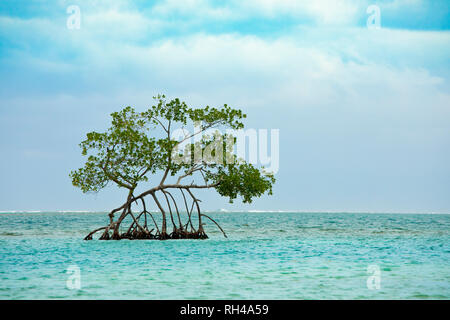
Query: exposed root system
[144, 226]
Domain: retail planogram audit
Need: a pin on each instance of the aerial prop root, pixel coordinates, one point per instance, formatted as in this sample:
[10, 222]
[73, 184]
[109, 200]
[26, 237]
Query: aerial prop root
[141, 221]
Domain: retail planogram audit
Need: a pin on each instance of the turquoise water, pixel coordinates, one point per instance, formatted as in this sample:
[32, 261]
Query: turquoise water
[267, 256]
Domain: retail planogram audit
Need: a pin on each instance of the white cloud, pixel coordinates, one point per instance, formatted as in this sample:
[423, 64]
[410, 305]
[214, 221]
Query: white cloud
[334, 90]
[314, 66]
[203, 9]
[120, 25]
[321, 11]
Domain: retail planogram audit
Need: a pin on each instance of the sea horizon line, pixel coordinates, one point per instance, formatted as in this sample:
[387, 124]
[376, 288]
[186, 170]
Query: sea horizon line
[243, 211]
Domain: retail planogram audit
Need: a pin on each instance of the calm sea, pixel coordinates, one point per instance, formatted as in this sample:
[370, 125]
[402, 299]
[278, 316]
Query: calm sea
[266, 256]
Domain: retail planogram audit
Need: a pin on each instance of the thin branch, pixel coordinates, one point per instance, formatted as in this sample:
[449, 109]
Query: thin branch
[200, 226]
[164, 224]
[176, 208]
[155, 118]
[188, 211]
[89, 236]
[170, 208]
[191, 170]
[215, 223]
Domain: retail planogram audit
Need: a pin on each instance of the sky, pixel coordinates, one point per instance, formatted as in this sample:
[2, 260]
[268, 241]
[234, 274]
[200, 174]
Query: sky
[363, 113]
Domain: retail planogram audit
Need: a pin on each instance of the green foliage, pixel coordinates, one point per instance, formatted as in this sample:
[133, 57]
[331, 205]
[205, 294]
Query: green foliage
[138, 145]
[123, 155]
[177, 111]
[242, 179]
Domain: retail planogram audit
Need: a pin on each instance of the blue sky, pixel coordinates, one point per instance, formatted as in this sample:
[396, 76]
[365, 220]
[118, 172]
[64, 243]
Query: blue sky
[364, 115]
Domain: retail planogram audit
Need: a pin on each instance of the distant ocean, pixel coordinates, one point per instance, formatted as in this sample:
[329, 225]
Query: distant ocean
[268, 255]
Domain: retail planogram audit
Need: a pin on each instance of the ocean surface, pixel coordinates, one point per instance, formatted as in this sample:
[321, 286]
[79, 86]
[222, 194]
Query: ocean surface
[267, 255]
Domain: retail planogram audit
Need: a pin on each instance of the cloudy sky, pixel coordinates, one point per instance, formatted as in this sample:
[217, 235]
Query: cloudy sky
[363, 114]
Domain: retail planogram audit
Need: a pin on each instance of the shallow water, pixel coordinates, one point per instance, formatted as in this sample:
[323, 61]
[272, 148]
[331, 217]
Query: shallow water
[266, 256]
